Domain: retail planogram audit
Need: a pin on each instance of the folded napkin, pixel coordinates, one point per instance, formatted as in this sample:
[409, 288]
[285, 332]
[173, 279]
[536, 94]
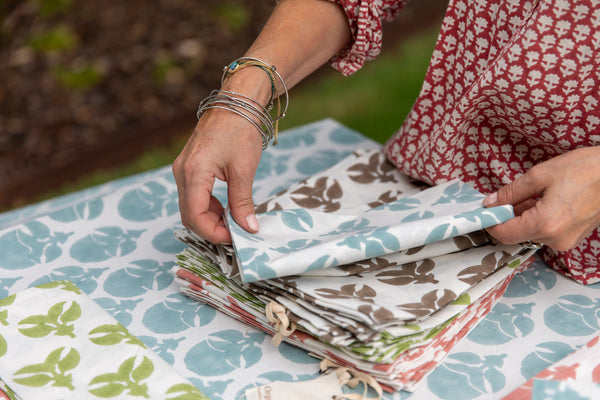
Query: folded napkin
[347, 217]
[57, 343]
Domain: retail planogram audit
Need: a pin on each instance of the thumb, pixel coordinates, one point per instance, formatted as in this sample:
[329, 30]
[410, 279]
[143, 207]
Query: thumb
[241, 205]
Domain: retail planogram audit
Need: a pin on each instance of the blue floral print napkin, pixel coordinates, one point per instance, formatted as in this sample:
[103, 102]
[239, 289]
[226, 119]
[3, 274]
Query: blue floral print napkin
[332, 231]
[57, 343]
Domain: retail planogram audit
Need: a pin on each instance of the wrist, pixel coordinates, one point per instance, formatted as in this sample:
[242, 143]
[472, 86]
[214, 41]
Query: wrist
[249, 88]
[252, 82]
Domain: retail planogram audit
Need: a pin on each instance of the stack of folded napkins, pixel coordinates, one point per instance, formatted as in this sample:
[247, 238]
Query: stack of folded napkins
[371, 269]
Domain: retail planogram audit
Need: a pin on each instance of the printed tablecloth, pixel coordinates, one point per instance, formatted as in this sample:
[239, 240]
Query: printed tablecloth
[116, 243]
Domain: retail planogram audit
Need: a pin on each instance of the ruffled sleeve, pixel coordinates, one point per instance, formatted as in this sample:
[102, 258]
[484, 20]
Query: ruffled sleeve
[365, 18]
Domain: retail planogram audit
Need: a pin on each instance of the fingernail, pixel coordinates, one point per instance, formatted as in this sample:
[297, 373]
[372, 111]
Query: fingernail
[490, 199]
[252, 222]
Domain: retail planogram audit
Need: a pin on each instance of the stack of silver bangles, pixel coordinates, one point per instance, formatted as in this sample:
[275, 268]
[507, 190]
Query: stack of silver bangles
[245, 106]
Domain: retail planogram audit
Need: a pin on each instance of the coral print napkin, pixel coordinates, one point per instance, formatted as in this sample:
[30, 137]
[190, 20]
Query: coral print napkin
[364, 209]
[366, 267]
[577, 376]
[57, 343]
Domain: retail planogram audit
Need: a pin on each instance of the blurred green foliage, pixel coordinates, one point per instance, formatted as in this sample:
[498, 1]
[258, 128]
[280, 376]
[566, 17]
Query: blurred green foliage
[232, 16]
[81, 77]
[374, 101]
[163, 67]
[49, 8]
[60, 38]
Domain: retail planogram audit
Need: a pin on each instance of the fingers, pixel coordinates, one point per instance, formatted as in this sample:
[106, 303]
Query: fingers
[209, 224]
[522, 228]
[240, 202]
[539, 213]
[200, 212]
[524, 206]
[227, 149]
[556, 203]
[528, 186]
[539, 226]
[519, 229]
[240, 178]
[530, 214]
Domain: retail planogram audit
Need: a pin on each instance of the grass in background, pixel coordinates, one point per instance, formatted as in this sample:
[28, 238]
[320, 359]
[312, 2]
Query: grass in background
[376, 99]
[373, 101]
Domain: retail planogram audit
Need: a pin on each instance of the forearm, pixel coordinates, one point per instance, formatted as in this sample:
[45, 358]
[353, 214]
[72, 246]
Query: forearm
[299, 37]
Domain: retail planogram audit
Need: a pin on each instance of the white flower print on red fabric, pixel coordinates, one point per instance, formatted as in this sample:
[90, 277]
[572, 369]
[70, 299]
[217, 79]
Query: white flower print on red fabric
[510, 84]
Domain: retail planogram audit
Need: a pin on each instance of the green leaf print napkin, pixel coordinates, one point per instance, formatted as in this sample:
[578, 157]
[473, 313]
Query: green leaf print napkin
[57, 343]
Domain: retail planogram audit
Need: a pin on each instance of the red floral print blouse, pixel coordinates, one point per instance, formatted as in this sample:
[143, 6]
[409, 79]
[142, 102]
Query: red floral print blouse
[511, 83]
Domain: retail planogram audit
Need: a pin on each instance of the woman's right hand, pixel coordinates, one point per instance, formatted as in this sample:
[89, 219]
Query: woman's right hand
[223, 146]
[227, 147]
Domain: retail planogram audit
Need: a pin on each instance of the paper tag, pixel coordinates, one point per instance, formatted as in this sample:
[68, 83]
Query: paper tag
[324, 387]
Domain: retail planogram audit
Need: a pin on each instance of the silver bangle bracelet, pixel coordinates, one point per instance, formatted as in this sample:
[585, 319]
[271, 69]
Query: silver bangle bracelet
[271, 70]
[248, 104]
[243, 106]
[246, 107]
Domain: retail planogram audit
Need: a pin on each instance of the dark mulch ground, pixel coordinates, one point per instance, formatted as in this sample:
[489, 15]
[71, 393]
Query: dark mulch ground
[90, 84]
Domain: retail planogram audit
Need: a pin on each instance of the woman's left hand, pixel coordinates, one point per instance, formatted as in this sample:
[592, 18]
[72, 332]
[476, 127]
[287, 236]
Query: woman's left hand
[556, 203]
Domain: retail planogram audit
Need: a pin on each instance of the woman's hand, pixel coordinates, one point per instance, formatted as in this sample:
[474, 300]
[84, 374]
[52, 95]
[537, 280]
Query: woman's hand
[557, 202]
[226, 147]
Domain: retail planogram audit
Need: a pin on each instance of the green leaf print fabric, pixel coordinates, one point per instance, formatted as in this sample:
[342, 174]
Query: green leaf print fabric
[57, 343]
